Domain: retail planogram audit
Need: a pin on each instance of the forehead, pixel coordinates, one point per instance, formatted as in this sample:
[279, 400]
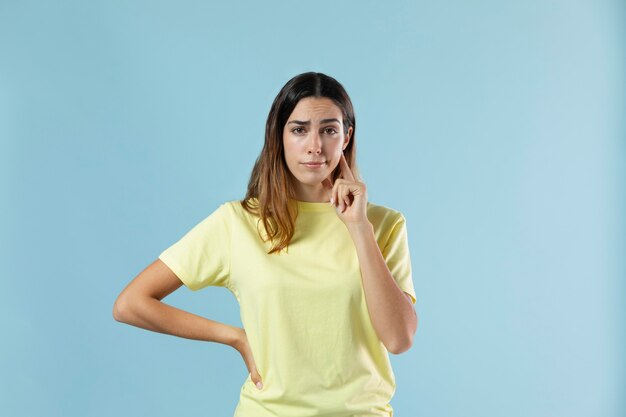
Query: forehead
[316, 108]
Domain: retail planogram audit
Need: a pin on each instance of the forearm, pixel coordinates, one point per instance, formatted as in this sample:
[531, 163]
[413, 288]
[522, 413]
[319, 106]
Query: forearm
[152, 314]
[392, 315]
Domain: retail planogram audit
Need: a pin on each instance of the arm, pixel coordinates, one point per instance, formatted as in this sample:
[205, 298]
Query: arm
[391, 310]
[140, 305]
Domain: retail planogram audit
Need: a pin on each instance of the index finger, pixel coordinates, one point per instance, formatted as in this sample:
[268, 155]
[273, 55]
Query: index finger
[345, 168]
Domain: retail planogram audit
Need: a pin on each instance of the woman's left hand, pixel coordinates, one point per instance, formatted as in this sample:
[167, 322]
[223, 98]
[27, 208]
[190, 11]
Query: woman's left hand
[348, 195]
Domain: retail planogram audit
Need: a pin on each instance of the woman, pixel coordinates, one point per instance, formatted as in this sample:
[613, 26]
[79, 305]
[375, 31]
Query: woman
[322, 276]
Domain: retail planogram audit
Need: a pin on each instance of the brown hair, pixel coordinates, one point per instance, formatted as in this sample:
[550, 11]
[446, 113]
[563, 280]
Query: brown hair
[270, 187]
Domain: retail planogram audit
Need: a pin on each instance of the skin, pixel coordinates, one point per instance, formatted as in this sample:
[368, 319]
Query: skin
[314, 141]
[391, 311]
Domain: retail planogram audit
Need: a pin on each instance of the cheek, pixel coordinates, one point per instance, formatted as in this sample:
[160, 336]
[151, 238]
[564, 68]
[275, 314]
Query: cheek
[331, 151]
[292, 158]
[289, 152]
[334, 154]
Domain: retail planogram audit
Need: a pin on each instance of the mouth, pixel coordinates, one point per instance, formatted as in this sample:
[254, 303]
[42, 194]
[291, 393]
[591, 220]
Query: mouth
[313, 164]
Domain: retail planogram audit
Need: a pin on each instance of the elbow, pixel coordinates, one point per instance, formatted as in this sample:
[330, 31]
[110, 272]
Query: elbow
[120, 308]
[402, 344]
[401, 347]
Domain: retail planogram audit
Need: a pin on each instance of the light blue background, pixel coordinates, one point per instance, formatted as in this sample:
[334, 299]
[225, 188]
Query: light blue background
[496, 128]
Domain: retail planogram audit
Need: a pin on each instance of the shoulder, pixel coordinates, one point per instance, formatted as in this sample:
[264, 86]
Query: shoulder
[221, 211]
[384, 219]
[236, 209]
[383, 214]
[229, 207]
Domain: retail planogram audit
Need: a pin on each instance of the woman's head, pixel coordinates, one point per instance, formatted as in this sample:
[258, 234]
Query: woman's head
[314, 133]
[279, 175]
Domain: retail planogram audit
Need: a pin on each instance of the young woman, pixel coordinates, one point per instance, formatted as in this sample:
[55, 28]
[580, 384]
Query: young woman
[322, 276]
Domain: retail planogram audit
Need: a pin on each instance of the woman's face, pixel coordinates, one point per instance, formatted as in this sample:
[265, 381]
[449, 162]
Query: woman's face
[314, 132]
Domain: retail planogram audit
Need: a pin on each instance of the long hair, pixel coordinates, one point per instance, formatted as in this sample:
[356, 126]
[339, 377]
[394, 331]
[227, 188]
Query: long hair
[271, 192]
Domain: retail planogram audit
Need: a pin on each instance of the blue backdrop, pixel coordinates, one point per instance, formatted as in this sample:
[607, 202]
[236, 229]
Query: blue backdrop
[496, 128]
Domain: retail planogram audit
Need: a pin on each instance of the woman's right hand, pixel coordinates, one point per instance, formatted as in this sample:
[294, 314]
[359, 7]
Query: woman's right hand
[243, 346]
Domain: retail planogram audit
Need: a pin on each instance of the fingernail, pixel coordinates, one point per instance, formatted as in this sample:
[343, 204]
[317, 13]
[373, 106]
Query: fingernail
[259, 385]
[332, 200]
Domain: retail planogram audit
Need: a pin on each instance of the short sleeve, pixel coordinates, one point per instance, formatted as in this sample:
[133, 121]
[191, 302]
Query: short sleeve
[397, 256]
[202, 256]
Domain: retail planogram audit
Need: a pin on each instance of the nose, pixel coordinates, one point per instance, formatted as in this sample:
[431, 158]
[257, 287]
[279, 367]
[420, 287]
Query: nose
[315, 144]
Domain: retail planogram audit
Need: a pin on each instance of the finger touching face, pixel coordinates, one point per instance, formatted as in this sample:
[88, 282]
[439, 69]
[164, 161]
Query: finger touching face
[346, 172]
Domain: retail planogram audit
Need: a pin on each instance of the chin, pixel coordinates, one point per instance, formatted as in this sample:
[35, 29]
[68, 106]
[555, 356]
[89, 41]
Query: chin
[308, 181]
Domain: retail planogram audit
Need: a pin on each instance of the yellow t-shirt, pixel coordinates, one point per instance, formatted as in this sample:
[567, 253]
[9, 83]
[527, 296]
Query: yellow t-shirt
[305, 311]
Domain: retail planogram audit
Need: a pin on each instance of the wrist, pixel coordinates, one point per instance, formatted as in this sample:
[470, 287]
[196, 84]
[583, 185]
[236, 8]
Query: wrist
[360, 227]
[236, 338]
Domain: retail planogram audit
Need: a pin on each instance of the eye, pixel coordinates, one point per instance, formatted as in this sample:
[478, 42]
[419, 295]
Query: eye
[332, 129]
[294, 130]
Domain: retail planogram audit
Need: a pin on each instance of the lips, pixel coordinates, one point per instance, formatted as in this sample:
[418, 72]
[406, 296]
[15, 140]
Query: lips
[313, 163]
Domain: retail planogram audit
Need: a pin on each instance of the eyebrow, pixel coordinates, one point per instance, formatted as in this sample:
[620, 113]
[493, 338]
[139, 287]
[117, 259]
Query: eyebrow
[300, 122]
